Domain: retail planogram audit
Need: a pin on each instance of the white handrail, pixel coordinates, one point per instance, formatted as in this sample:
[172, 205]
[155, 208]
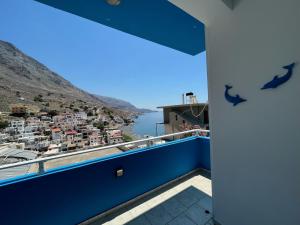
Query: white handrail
[40, 161]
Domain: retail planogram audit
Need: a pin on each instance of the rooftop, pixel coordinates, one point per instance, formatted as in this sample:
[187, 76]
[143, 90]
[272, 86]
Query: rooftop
[182, 105]
[12, 155]
[71, 132]
[56, 129]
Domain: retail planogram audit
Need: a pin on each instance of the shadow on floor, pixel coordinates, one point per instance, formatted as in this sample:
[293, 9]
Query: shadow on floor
[189, 206]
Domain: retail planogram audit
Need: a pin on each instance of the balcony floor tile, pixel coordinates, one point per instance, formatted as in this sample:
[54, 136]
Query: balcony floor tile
[197, 215]
[158, 215]
[174, 207]
[182, 220]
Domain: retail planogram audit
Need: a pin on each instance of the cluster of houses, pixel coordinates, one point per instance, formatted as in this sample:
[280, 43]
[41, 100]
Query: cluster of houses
[63, 132]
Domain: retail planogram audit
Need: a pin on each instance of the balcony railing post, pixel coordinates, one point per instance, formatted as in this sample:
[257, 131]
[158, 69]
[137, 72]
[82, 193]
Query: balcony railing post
[41, 167]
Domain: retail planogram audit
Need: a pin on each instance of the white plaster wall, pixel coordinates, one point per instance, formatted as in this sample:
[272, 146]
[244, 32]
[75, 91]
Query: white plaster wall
[256, 145]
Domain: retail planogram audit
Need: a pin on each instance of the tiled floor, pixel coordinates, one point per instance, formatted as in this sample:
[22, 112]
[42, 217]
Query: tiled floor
[186, 202]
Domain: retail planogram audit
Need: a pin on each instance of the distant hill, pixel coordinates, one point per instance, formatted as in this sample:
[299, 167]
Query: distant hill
[121, 104]
[24, 80]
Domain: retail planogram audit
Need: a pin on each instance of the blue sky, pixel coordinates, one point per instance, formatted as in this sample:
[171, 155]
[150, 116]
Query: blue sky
[102, 60]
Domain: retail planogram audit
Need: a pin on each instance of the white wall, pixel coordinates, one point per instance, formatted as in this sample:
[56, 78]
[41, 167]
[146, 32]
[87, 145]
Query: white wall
[256, 145]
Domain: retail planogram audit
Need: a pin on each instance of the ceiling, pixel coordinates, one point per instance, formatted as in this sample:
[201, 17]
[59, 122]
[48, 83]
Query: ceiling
[158, 21]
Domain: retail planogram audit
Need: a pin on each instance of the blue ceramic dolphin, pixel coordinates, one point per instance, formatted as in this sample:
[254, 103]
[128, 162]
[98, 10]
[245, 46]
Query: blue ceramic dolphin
[235, 100]
[277, 81]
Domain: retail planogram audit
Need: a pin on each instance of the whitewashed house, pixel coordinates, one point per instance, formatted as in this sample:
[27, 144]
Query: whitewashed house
[114, 136]
[80, 116]
[94, 139]
[17, 125]
[57, 134]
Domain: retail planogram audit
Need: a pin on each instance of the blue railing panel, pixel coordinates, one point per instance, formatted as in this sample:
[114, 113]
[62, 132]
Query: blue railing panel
[205, 153]
[73, 194]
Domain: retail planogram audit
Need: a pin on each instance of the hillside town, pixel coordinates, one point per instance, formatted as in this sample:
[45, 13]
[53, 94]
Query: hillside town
[50, 133]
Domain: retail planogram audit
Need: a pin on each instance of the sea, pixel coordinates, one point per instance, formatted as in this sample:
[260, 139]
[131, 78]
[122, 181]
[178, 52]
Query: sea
[145, 124]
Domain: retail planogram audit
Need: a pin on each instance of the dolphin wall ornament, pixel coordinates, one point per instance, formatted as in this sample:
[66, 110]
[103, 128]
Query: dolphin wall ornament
[277, 81]
[235, 100]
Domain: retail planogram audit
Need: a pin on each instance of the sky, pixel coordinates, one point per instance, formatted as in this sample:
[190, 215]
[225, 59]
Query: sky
[102, 60]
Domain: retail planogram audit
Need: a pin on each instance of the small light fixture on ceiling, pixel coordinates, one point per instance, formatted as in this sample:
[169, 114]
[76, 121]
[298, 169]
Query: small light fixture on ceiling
[114, 2]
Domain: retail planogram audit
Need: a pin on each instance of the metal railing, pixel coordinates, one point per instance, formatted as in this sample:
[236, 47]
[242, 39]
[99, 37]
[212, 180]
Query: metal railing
[41, 161]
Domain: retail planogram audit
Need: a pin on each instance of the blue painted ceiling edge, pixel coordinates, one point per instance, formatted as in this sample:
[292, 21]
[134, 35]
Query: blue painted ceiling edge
[158, 21]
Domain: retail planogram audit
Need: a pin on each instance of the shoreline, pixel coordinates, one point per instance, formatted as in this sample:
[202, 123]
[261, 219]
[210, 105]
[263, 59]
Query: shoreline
[128, 130]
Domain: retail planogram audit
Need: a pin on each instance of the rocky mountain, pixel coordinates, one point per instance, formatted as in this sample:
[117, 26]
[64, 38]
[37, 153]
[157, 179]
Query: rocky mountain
[24, 80]
[121, 104]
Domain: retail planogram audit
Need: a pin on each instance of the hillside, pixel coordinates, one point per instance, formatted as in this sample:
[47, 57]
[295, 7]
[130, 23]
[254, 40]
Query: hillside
[23, 80]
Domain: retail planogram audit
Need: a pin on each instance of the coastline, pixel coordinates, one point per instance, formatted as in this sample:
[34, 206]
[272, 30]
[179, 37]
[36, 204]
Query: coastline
[128, 130]
[143, 124]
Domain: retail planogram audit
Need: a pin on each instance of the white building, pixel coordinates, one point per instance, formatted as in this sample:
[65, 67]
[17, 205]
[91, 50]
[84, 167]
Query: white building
[33, 121]
[42, 145]
[46, 118]
[53, 149]
[94, 139]
[114, 136]
[57, 134]
[31, 128]
[80, 116]
[68, 121]
[28, 137]
[3, 138]
[118, 119]
[17, 125]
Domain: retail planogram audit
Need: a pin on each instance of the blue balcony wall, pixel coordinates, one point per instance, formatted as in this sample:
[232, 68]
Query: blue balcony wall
[204, 153]
[72, 194]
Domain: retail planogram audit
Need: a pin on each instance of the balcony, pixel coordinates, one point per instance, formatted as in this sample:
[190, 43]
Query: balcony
[161, 184]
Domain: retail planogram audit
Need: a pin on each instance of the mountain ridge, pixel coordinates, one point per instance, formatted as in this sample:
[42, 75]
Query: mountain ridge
[122, 104]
